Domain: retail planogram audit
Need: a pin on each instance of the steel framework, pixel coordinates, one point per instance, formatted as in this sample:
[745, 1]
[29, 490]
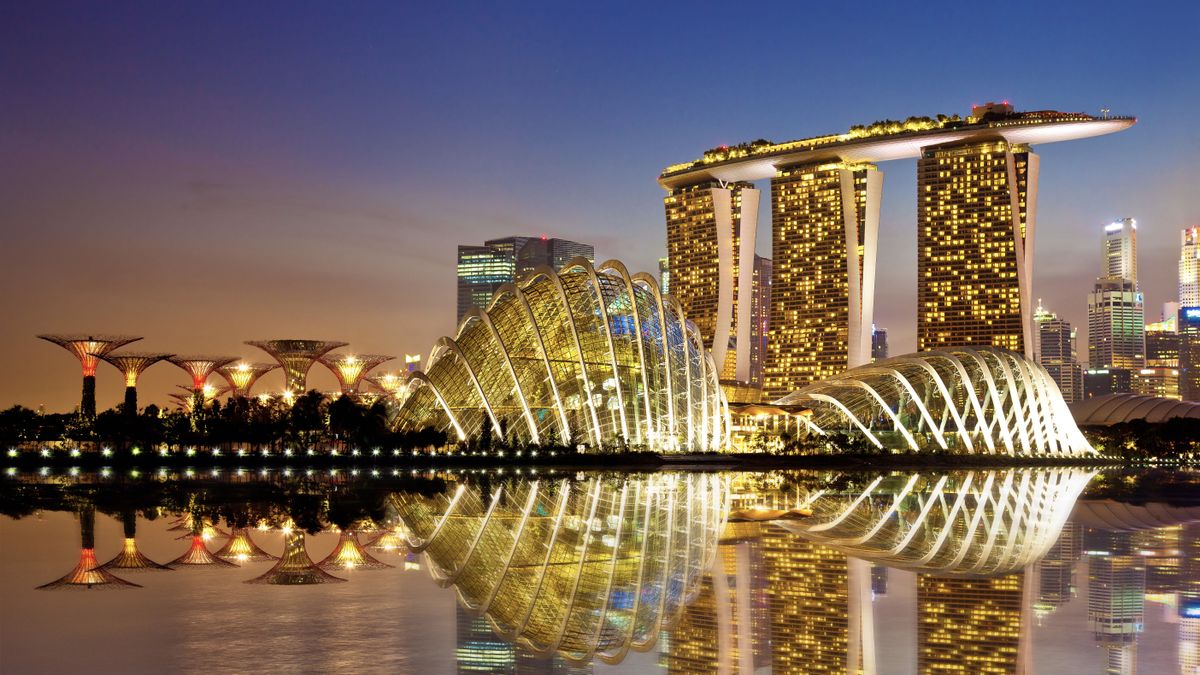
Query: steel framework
[132, 365]
[295, 568]
[88, 574]
[350, 369]
[130, 558]
[200, 367]
[241, 548]
[242, 375]
[88, 349]
[349, 555]
[296, 357]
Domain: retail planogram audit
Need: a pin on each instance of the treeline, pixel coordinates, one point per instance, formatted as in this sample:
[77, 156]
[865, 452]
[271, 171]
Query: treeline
[312, 419]
[1176, 438]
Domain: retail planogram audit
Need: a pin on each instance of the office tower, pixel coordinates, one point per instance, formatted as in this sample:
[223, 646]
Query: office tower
[879, 343]
[976, 211]
[1116, 325]
[970, 624]
[1162, 343]
[1056, 571]
[1056, 353]
[825, 225]
[760, 314]
[1116, 598]
[1104, 381]
[1189, 599]
[711, 271]
[1119, 260]
[1160, 382]
[482, 270]
[1189, 267]
[480, 650]
[1189, 353]
[664, 276]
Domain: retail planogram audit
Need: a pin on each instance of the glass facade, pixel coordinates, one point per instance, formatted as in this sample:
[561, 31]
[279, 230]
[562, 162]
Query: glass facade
[582, 356]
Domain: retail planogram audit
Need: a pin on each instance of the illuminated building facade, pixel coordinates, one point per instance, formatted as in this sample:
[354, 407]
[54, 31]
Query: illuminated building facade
[825, 226]
[664, 275]
[132, 365]
[1189, 267]
[760, 315]
[350, 369]
[1116, 598]
[590, 354]
[879, 343]
[1116, 325]
[1105, 381]
[1162, 343]
[1119, 260]
[971, 625]
[1160, 382]
[712, 273]
[242, 375]
[296, 357]
[1056, 353]
[482, 270]
[976, 210]
[89, 349]
[1189, 352]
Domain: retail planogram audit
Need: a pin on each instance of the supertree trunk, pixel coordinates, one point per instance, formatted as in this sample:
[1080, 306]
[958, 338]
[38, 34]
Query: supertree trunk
[131, 406]
[87, 574]
[87, 406]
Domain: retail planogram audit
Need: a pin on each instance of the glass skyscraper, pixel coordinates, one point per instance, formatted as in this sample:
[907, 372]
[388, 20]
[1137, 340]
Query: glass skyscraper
[482, 270]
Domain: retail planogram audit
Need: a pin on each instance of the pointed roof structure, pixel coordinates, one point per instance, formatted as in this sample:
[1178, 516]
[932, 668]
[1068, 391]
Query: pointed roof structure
[295, 568]
[242, 375]
[296, 357]
[349, 555]
[349, 369]
[130, 558]
[88, 575]
[241, 548]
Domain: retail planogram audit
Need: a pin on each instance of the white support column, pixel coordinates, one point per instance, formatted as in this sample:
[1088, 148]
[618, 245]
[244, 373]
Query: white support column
[1024, 241]
[747, 236]
[722, 199]
[862, 285]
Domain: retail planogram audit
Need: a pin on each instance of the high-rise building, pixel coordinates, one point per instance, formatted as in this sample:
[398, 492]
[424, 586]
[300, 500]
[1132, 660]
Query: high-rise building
[1189, 267]
[1056, 353]
[1189, 353]
[711, 271]
[1116, 598]
[825, 226]
[664, 276]
[1160, 382]
[976, 206]
[970, 624]
[1162, 343]
[482, 270]
[879, 343]
[1105, 381]
[1056, 571]
[1119, 259]
[760, 314]
[1116, 325]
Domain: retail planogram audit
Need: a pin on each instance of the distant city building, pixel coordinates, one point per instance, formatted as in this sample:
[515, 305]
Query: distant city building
[974, 272]
[1116, 325]
[1120, 250]
[1189, 353]
[482, 270]
[1162, 343]
[664, 275]
[975, 621]
[824, 225]
[1105, 381]
[760, 314]
[1056, 353]
[1189, 267]
[879, 343]
[711, 272]
[1116, 597]
[1161, 382]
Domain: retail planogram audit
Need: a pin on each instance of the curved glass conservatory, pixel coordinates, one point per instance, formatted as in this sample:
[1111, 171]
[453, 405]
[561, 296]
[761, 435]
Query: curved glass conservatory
[585, 355]
[972, 401]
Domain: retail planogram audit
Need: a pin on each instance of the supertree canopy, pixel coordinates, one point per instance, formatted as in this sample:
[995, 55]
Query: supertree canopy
[349, 555]
[131, 365]
[241, 547]
[88, 574]
[130, 558]
[200, 367]
[198, 553]
[88, 349]
[296, 357]
[295, 568]
[389, 383]
[242, 375]
[349, 369]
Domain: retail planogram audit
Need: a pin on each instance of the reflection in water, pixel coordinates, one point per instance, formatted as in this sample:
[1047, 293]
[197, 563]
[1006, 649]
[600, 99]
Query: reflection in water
[240, 547]
[350, 555]
[585, 569]
[294, 567]
[130, 558]
[87, 574]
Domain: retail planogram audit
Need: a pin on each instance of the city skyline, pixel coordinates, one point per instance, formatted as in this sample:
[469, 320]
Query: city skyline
[301, 202]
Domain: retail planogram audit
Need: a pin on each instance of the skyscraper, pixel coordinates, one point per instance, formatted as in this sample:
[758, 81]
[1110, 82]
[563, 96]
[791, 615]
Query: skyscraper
[970, 624]
[1116, 598]
[664, 276]
[976, 205]
[711, 271]
[760, 314]
[1162, 343]
[879, 343]
[825, 226]
[1189, 353]
[482, 270]
[1120, 250]
[1116, 325]
[1056, 353]
[1189, 267]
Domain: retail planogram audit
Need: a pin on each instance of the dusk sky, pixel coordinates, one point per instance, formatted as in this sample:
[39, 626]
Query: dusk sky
[203, 175]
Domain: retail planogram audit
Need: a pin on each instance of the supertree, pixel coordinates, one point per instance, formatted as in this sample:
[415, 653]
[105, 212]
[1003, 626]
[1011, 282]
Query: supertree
[295, 568]
[388, 382]
[88, 349]
[87, 574]
[242, 375]
[349, 555]
[198, 553]
[242, 548]
[200, 367]
[296, 357]
[132, 365]
[392, 539]
[349, 369]
[130, 558]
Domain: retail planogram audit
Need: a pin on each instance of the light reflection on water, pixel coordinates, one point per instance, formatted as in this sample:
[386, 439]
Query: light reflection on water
[1001, 569]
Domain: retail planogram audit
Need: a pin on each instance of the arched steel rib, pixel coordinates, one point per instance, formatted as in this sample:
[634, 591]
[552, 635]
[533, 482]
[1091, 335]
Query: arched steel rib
[537, 332]
[649, 282]
[452, 346]
[617, 267]
[586, 266]
[476, 313]
[418, 376]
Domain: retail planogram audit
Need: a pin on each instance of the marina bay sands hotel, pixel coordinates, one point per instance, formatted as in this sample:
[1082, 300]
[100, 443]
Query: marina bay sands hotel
[977, 192]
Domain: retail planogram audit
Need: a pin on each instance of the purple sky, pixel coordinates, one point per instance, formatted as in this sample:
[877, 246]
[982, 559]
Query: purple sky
[204, 176]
